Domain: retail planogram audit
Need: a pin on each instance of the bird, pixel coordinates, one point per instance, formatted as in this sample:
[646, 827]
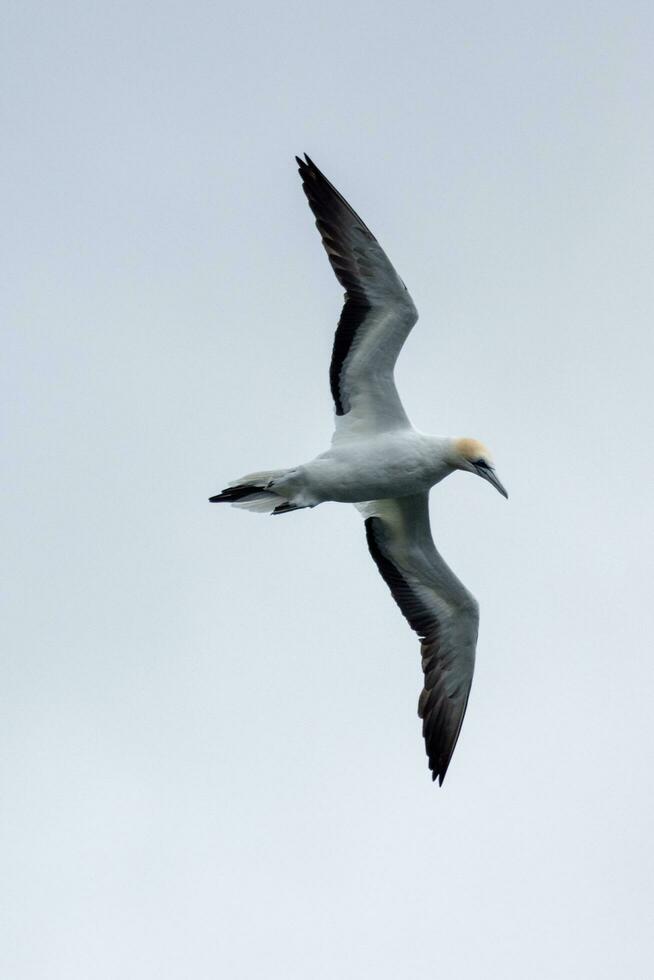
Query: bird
[384, 466]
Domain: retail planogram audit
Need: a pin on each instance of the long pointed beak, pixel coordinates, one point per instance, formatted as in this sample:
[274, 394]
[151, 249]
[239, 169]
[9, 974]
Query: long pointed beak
[492, 477]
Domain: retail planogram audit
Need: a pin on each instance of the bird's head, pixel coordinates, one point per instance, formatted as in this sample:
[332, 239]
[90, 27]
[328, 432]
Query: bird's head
[472, 455]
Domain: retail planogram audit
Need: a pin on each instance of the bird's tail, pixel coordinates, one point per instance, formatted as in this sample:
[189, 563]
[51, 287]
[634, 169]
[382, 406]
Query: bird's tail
[256, 492]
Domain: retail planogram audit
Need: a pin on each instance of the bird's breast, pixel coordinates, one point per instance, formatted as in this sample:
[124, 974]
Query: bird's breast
[371, 469]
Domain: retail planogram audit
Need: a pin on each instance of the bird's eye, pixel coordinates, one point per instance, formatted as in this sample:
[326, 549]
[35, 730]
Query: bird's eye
[482, 464]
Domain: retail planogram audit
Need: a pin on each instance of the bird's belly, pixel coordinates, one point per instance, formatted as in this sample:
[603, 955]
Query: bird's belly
[353, 475]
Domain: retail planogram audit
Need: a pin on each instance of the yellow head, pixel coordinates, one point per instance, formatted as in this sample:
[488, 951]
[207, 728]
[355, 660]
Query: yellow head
[472, 455]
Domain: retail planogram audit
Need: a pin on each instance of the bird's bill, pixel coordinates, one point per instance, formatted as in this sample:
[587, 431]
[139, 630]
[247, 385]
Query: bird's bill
[492, 477]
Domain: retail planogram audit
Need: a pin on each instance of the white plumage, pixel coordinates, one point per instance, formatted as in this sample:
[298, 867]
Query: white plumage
[384, 466]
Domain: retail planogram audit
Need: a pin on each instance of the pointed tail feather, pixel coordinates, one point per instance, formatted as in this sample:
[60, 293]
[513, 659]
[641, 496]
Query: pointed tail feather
[286, 508]
[232, 495]
[255, 492]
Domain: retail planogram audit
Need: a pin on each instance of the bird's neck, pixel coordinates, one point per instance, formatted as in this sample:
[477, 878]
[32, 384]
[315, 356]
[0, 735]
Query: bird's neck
[441, 457]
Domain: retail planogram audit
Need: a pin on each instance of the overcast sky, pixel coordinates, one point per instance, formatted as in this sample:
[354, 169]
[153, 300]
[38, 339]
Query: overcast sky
[211, 760]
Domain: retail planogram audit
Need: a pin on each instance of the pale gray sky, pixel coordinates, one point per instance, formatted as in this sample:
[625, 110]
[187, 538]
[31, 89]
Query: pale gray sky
[211, 760]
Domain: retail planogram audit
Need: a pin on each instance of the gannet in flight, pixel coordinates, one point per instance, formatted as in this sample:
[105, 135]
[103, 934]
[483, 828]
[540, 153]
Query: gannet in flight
[381, 464]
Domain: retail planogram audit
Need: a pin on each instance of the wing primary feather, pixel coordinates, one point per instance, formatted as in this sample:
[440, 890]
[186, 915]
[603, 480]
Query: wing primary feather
[308, 168]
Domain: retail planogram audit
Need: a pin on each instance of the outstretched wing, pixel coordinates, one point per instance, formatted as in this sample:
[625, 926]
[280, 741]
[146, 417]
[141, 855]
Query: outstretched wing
[437, 606]
[376, 318]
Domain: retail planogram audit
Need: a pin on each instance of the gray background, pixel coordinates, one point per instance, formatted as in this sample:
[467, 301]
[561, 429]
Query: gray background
[211, 761]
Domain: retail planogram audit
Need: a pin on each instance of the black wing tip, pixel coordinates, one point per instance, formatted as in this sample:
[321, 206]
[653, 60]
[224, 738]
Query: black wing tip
[305, 165]
[440, 776]
[438, 772]
[439, 756]
[311, 174]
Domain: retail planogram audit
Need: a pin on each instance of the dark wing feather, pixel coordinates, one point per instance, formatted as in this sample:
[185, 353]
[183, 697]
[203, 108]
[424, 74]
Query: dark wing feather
[440, 610]
[378, 312]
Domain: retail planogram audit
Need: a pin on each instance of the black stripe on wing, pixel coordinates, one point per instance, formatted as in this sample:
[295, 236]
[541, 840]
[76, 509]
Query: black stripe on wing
[338, 225]
[441, 716]
[352, 316]
[419, 617]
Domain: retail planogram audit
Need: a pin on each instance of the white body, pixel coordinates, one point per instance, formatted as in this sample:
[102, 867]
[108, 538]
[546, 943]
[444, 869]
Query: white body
[388, 464]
